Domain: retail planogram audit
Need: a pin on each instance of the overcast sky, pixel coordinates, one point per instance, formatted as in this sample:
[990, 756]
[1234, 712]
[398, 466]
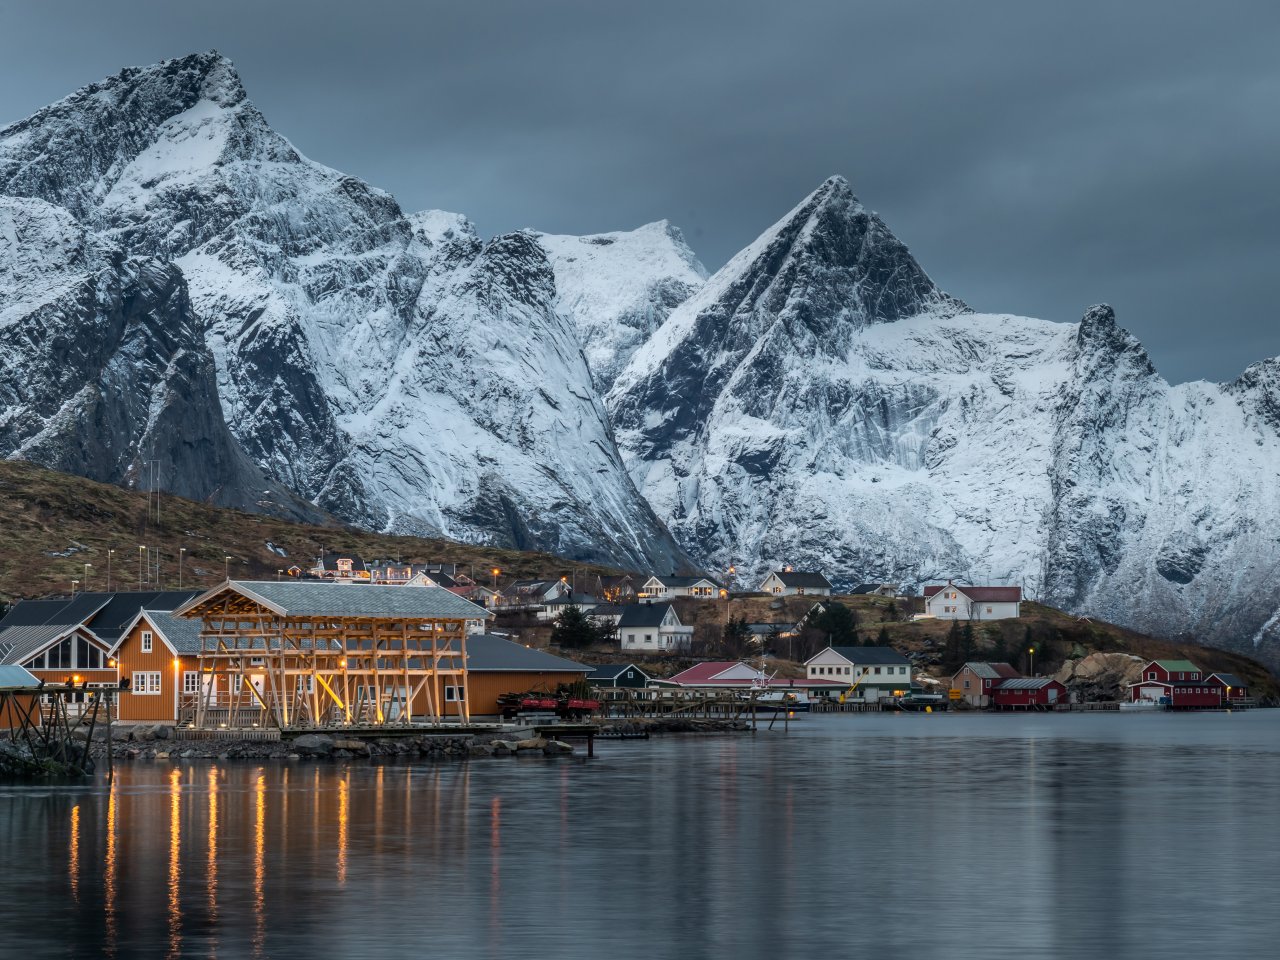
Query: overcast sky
[1036, 157]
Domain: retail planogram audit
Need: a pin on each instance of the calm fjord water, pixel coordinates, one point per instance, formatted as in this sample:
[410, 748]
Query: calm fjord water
[885, 836]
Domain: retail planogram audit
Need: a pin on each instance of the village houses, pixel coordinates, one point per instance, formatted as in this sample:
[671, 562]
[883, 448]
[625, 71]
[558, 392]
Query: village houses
[870, 672]
[652, 627]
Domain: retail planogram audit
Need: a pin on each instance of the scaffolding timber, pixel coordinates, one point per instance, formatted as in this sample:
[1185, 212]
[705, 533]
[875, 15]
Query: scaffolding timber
[301, 656]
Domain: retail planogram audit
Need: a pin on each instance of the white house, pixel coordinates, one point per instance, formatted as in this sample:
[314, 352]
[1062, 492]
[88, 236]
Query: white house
[664, 588]
[796, 583]
[653, 627]
[953, 601]
[878, 671]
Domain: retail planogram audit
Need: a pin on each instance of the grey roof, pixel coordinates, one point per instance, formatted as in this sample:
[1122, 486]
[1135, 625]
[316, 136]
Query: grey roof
[643, 614]
[802, 578]
[1026, 683]
[577, 600]
[12, 675]
[487, 653]
[63, 611]
[607, 610]
[19, 644]
[769, 629]
[319, 599]
[120, 609]
[865, 588]
[183, 633]
[990, 671]
[611, 671]
[875, 656]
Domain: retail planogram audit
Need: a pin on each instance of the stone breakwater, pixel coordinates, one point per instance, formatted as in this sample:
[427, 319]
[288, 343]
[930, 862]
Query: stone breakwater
[157, 743]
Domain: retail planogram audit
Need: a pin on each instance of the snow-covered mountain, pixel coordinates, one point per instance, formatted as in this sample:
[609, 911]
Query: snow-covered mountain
[619, 287]
[393, 370]
[820, 402]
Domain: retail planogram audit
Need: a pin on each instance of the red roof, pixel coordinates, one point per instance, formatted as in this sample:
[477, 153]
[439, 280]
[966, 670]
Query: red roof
[981, 594]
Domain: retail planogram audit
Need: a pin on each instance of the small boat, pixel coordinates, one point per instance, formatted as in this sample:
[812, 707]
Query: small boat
[788, 701]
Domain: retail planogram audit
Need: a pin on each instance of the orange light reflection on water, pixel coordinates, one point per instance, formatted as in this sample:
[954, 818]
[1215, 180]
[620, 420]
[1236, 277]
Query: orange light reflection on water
[211, 867]
[175, 852]
[259, 864]
[73, 855]
[344, 813]
[109, 878]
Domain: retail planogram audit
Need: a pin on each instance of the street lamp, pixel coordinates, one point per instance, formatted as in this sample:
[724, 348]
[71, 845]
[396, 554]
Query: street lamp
[182, 556]
[141, 550]
[226, 567]
[74, 584]
[279, 574]
[495, 571]
[110, 553]
[1031, 651]
[86, 575]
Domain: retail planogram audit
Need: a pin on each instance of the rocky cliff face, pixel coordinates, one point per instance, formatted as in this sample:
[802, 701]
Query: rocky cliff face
[103, 367]
[819, 402]
[314, 294]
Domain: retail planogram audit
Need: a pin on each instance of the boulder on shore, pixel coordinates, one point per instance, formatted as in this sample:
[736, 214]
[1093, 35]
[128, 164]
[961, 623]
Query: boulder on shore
[313, 744]
[1100, 676]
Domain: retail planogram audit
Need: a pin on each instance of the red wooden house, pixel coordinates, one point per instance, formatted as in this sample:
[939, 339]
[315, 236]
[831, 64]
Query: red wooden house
[1028, 693]
[1235, 690]
[1179, 684]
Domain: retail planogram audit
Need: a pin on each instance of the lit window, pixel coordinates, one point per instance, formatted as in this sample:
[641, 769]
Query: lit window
[190, 682]
[146, 682]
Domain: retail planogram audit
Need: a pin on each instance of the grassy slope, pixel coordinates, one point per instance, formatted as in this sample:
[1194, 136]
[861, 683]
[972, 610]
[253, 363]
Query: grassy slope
[54, 524]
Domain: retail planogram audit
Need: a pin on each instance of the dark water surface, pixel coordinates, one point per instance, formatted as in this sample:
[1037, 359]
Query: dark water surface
[883, 836]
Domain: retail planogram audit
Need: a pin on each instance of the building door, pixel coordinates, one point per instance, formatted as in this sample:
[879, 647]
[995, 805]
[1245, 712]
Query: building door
[1053, 694]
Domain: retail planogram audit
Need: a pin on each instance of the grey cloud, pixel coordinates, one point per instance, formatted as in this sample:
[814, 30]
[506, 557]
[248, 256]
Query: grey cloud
[1036, 157]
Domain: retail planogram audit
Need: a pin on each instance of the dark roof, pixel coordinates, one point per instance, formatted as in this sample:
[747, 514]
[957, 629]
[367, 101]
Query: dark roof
[578, 600]
[643, 614]
[875, 656]
[802, 578]
[316, 598]
[611, 671]
[980, 594]
[769, 629]
[1229, 679]
[329, 561]
[607, 610]
[489, 654]
[64, 611]
[869, 587]
[109, 623]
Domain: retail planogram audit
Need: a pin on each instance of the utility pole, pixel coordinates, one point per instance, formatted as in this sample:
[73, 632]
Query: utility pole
[86, 576]
[141, 552]
[110, 553]
[182, 556]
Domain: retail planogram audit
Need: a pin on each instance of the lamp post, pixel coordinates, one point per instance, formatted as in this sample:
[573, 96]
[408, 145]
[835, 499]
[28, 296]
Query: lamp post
[495, 571]
[279, 574]
[1031, 652]
[74, 584]
[182, 556]
[141, 551]
[110, 553]
[86, 576]
[226, 568]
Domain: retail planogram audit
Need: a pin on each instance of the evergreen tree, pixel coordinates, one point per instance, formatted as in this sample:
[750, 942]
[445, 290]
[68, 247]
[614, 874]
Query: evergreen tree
[966, 642]
[573, 629]
[735, 637]
[883, 639]
[892, 612]
[951, 652]
[839, 623]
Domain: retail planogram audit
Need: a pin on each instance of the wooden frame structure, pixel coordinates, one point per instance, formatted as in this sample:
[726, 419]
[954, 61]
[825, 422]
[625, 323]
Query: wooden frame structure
[305, 655]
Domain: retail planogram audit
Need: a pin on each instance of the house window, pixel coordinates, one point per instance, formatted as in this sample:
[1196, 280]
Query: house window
[877, 671]
[453, 695]
[648, 638]
[630, 675]
[1151, 675]
[985, 683]
[146, 641]
[902, 671]
[1195, 676]
[988, 609]
[146, 682]
[966, 684]
[190, 682]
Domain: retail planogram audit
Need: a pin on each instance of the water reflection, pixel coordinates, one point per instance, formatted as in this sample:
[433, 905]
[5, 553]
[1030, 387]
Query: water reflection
[850, 835]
